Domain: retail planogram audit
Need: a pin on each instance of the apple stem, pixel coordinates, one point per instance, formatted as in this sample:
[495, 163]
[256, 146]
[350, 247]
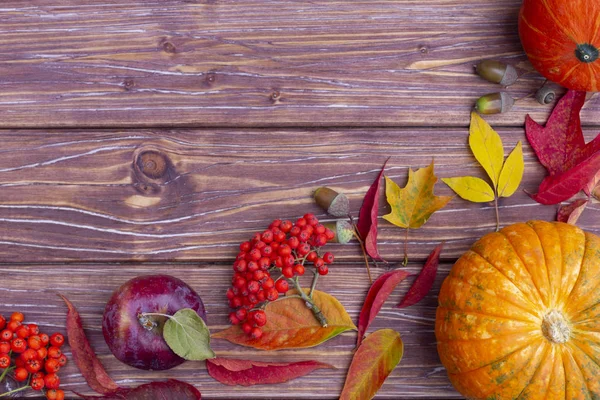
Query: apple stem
[147, 323]
[309, 303]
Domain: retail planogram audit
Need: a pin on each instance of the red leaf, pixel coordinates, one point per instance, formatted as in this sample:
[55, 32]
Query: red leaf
[561, 187]
[169, 390]
[367, 217]
[422, 285]
[247, 373]
[84, 356]
[378, 293]
[97, 377]
[570, 213]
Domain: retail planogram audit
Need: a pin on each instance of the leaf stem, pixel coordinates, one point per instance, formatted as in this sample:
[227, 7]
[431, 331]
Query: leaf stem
[310, 304]
[314, 284]
[6, 371]
[364, 251]
[15, 391]
[497, 214]
[405, 262]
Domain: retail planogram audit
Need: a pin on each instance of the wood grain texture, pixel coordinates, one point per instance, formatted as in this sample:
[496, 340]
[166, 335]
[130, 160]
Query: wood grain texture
[140, 63]
[164, 195]
[32, 290]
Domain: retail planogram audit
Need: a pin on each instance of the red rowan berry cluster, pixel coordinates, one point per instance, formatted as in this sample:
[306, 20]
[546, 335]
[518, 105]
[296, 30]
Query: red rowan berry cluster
[33, 356]
[284, 248]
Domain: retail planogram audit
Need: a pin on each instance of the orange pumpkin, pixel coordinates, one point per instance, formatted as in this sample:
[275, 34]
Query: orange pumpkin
[561, 39]
[519, 315]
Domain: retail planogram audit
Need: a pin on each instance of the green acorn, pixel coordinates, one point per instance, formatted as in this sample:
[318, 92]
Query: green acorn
[344, 232]
[497, 72]
[334, 203]
[494, 103]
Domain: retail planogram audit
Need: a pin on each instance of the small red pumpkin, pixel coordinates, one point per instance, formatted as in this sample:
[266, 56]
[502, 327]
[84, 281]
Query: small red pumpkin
[562, 40]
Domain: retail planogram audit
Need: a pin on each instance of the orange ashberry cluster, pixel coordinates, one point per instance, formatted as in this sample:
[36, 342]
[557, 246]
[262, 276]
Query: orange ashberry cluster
[32, 355]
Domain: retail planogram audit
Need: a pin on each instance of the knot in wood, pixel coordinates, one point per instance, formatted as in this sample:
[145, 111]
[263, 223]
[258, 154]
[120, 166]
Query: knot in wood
[128, 83]
[169, 47]
[152, 163]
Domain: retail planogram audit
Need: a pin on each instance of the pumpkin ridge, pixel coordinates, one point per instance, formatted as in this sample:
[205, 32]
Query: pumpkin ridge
[569, 354]
[557, 21]
[518, 305]
[541, 363]
[533, 324]
[508, 279]
[574, 343]
[524, 267]
[551, 293]
[536, 30]
[524, 331]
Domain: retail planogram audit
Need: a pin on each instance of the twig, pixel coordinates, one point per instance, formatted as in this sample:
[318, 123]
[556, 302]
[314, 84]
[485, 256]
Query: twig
[310, 304]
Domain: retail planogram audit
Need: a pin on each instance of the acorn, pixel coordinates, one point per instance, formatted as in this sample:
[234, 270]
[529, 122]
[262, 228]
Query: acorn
[334, 203]
[497, 72]
[547, 93]
[494, 103]
[343, 231]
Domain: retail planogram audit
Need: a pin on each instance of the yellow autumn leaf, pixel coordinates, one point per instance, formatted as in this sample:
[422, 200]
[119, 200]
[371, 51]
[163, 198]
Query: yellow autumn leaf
[471, 188]
[512, 172]
[486, 146]
[413, 205]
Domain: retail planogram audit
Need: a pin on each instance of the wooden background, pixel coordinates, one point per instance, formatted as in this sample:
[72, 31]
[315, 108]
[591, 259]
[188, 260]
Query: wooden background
[248, 106]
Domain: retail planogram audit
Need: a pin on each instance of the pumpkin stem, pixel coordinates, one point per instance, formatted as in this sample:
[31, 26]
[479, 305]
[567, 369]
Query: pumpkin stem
[555, 327]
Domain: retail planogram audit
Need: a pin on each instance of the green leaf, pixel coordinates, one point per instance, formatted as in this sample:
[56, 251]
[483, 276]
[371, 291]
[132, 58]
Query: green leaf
[486, 146]
[188, 336]
[471, 188]
[512, 172]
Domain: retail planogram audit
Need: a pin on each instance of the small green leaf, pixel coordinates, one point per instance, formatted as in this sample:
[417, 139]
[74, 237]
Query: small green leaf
[188, 336]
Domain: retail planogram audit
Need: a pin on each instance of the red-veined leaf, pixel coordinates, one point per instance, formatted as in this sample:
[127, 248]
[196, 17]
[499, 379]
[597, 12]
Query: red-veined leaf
[248, 373]
[290, 324]
[83, 355]
[422, 285]
[561, 187]
[168, 390]
[378, 293]
[372, 363]
[367, 217]
[570, 213]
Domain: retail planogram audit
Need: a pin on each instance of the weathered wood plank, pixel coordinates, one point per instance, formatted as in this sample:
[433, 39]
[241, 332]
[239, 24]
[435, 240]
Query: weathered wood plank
[32, 290]
[187, 195]
[213, 63]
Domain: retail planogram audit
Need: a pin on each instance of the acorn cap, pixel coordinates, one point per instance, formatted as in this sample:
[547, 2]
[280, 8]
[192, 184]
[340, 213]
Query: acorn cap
[494, 103]
[343, 231]
[334, 203]
[497, 72]
[547, 93]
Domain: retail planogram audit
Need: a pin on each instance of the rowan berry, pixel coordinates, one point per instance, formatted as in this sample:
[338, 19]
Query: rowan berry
[44, 338]
[311, 219]
[303, 249]
[2, 322]
[13, 325]
[295, 231]
[246, 327]
[6, 335]
[52, 365]
[319, 262]
[240, 266]
[18, 345]
[245, 247]
[33, 365]
[19, 363]
[29, 354]
[275, 248]
[279, 262]
[253, 286]
[272, 294]
[252, 266]
[52, 381]
[312, 256]
[42, 353]
[319, 228]
[301, 222]
[261, 296]
[20, 374]
[233, 319]
[4, 361]
[54, 352]
[235, 302]
[286, 226]
[230, 295]
[34, 342]
[328, 258]
[57, 339]
[323, 270]
[239, 282]
[288, 272]
[259, 318]
[258, 275]
[266, 251]
[23, 332]
[255, 253]
[55, 394]
[62, 360]
[284, 250]
[293, 242]
[4, 347]
[33, 329]
[256, 333]
[299, 269]
[268, 283]
[267, 236]
[275, 223]
[282, 286]
[329, 234]
[17, 316]
[37, 383]
[304, 235]
[289, 261]
[264, 263]
[320, 240]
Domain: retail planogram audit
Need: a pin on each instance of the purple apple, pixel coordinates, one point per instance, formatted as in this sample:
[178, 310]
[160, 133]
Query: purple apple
[136, 339]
